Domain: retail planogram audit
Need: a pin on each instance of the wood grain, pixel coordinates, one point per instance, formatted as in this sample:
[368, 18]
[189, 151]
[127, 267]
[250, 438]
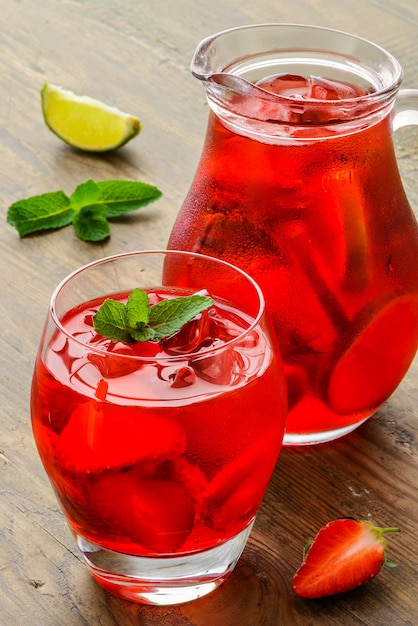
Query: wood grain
[136, 55]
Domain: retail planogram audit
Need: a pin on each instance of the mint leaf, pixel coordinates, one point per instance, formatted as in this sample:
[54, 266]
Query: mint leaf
[168, 316]
[111, 322]
[143, 334]
[121, 196]
[137, 309]
[138, 321]
[88, 208]
[46, 211]
[90, 224]
[85, 194]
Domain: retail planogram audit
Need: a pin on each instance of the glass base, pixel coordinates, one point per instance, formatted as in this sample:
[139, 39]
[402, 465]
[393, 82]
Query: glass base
[309, 439]
[164, 580]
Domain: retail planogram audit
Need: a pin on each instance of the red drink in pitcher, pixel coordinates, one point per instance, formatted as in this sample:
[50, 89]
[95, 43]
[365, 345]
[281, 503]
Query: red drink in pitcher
[147, 445]
[320, 219]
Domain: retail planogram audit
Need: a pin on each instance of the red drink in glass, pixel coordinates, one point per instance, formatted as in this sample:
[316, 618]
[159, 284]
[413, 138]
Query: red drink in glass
[160, 490]
[301, 189]
[158, 450]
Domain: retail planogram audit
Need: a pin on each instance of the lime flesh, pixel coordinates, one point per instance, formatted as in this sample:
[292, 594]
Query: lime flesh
[85, 123]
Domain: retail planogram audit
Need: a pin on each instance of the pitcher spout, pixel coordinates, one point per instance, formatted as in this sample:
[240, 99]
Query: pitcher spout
[295, 82]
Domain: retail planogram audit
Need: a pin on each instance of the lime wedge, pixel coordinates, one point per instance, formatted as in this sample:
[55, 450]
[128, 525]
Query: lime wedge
[85, 123]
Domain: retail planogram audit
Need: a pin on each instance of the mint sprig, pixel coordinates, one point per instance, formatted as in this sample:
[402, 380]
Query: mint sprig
[88, 208]
[137, 320]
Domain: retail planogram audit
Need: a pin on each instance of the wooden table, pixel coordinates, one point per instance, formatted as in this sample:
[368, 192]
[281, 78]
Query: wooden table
[135, 55]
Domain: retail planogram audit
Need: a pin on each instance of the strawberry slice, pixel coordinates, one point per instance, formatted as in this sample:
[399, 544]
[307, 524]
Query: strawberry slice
[344, 554]
[68, 486]
[232, 497]
[155, 514]
[384, 344]
[100, 436]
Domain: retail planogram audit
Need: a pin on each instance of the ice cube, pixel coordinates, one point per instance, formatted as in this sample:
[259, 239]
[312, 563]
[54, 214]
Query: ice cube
[223, 368]
[113, 366]
[183, 377]
[192, 336]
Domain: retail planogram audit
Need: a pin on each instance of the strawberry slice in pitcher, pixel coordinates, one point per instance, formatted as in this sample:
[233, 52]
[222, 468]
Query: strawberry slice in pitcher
[366, 371]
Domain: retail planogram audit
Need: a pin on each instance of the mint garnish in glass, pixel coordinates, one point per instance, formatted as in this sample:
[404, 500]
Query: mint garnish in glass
[137, 320]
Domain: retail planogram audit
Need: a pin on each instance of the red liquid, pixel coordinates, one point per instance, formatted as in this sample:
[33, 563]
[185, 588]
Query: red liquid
[159, 458]
[326, 230]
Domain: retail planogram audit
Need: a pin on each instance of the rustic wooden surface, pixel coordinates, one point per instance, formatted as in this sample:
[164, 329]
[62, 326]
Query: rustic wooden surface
[135, 55]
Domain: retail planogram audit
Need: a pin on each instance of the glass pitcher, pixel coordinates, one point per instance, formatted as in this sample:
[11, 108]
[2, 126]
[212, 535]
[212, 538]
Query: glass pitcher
[298, 184]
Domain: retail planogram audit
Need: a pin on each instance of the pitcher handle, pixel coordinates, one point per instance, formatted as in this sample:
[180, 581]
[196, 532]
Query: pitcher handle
[406, 108]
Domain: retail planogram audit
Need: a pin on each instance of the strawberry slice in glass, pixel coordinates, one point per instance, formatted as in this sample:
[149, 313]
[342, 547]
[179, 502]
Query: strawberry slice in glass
[100, 436]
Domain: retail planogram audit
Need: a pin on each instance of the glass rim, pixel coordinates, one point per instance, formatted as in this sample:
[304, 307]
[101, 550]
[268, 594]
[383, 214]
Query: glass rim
[375, 96]
[52, 309]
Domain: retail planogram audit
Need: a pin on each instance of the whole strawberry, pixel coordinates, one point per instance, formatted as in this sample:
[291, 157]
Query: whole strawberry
[344, 554]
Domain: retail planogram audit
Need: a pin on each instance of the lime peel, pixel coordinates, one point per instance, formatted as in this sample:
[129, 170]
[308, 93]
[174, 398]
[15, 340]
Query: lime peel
[86, 123]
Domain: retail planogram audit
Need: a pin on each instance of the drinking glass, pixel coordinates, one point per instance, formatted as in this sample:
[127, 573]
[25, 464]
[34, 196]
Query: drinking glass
[159, 453]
